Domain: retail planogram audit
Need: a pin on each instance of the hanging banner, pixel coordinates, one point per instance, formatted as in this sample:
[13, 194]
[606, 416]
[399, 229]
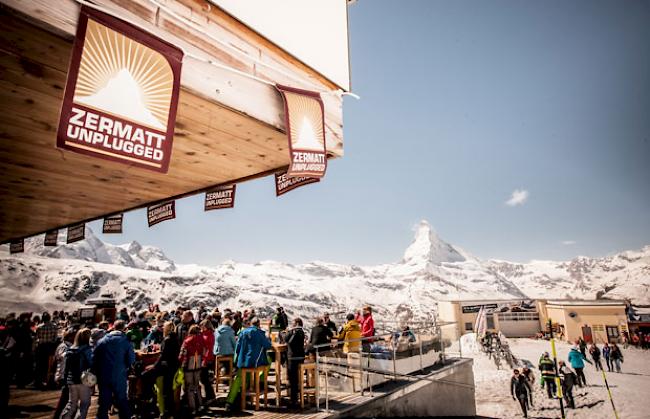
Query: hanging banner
[284, 183]
[161, 212]
[17, 246]
[219, 198]
[51, 238]
[305, 124]
[113, 224]
[121, 95]
[76, 233]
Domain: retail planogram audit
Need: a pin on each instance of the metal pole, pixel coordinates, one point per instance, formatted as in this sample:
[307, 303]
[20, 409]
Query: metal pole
[317, 383]
[560, 396]
[420, 339]
[369, 380]
[327, 395]
[609, 392]
[394, 363]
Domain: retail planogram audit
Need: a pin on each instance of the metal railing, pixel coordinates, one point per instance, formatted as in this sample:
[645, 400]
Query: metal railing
[387, 346]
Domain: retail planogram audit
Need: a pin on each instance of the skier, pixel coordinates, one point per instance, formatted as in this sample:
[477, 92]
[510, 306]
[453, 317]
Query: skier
[616, 356]
[606, 350]
[519, 390]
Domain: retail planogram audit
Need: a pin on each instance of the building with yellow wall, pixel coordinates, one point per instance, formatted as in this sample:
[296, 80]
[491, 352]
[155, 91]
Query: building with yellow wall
[593, 320]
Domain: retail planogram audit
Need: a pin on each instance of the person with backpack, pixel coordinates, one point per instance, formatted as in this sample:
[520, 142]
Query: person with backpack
[78, 363]
[547, 370]
[594, 351]
[577, 361]
[616, 356]
[112, 358]
[295, 357]
[568, 379]
[191, 360]
[519, 390]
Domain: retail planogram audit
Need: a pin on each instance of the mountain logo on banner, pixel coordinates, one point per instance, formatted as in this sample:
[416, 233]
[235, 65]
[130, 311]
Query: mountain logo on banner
[284, 183]
[305, 124]
[161, 212]
[122, 93]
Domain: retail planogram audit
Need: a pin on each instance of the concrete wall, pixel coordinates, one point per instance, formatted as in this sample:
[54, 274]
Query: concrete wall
[426, 398]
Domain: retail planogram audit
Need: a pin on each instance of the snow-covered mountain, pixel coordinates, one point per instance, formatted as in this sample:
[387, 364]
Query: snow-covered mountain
[431, 270]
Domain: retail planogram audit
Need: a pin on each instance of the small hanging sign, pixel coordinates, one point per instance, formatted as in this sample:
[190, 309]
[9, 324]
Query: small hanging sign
[161, 212]
[221, 197]
[51, 238]
[305, 125]
[113, 224]
[17, 246]
[284, 183]
[76, 233]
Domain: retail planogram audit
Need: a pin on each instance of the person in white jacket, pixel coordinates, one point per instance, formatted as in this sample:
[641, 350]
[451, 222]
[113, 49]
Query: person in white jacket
[59, 358]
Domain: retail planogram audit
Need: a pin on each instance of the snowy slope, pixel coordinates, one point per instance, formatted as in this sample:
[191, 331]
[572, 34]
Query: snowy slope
[430, 270]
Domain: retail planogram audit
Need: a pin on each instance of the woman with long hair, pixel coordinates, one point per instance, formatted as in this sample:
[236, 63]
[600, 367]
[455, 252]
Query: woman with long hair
[166, 367]
[78, 359]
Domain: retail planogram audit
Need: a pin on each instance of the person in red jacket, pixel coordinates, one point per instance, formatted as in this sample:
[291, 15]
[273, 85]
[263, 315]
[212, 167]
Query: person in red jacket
[367, 327]
[191, 360]
[207, 331]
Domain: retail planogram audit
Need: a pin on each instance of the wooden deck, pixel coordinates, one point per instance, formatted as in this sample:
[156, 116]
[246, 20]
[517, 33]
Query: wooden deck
[36, 404]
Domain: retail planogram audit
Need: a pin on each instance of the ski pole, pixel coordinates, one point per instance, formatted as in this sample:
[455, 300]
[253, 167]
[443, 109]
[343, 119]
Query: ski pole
[558, 384]
[609, 392]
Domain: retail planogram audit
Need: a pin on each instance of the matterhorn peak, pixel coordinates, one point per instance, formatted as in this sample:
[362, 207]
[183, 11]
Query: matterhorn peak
[427, 247]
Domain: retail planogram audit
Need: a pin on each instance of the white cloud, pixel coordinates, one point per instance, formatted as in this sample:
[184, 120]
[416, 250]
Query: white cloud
[518, 197]
[569, 242]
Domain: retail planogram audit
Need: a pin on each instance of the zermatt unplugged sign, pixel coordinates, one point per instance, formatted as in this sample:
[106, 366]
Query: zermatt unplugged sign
[122, 93]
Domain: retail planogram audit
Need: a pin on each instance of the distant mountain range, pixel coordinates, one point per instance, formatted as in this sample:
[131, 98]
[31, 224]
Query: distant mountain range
[431, 270]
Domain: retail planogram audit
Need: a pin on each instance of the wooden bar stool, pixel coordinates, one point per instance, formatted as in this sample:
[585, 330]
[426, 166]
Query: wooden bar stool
[260, 375]
[218, 377]
[307, 383]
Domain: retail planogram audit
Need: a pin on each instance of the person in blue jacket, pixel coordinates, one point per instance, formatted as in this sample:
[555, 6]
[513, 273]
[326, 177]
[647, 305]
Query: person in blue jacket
[250, 352]
[224, 339]
[577, 361]
[112, 358]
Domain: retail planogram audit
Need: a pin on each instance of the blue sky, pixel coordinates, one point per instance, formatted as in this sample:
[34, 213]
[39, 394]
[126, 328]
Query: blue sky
[463, 103]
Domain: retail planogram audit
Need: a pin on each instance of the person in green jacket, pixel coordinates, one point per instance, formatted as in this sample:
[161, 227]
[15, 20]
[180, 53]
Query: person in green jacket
[134, 335]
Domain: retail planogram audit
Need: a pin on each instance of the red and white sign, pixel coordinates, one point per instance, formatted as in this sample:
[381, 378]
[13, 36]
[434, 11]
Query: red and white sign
[113, 224]
[284, 183]
[76, 233]
[221, 197]
[305, 124]
[161, 212]
[122, 93]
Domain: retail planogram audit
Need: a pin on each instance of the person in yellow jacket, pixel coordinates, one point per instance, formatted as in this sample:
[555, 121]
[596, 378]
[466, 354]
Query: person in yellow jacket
[351, 330]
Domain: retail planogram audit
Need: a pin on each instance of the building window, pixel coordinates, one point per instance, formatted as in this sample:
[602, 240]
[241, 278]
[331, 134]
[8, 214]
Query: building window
[469, 326]
[612, 332]
[518, 316]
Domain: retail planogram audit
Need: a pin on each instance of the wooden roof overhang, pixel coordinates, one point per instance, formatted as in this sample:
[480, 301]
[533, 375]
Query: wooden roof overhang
[229, 127]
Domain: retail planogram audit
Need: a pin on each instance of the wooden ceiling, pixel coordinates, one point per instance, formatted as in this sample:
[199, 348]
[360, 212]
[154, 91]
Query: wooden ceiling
[42, 187]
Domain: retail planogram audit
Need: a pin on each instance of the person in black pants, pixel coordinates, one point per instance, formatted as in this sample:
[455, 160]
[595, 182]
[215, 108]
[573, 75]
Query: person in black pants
[167, 365]
[295, 356]
[519, 391]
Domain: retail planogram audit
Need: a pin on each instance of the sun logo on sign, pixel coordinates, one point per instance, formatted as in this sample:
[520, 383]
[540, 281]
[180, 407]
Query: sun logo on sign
[125, 78]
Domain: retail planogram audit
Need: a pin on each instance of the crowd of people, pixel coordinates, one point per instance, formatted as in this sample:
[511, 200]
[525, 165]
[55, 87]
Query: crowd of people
[570, 373]
[637, 339]
[57, 351]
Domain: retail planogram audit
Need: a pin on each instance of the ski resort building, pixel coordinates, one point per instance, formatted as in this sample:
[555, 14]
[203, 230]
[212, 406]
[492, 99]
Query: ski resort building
[593, 320]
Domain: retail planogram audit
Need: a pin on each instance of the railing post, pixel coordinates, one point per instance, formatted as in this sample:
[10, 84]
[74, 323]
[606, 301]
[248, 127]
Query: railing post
[361, 369]
[317, 383]
[420, 339]
[327, 396]
[369, 378]
[394, 362]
